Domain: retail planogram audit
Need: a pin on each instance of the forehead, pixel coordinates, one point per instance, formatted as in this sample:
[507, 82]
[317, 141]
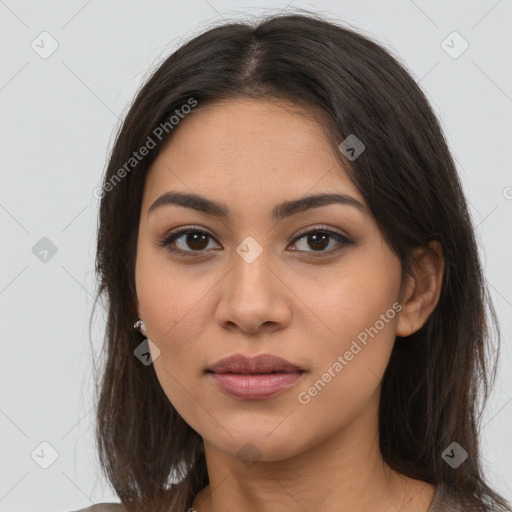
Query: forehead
[249, 149]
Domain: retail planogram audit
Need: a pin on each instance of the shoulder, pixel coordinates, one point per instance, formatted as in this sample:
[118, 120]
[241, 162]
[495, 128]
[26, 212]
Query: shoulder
[103, 507]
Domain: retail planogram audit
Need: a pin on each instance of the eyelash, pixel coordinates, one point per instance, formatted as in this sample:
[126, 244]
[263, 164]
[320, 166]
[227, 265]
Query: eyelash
[169, 239]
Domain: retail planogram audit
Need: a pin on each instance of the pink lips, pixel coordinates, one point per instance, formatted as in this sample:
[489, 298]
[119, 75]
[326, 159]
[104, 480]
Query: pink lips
[256, 377]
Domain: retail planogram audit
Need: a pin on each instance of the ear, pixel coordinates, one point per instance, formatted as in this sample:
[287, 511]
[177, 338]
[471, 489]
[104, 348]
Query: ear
[421, 292]
[138, 309]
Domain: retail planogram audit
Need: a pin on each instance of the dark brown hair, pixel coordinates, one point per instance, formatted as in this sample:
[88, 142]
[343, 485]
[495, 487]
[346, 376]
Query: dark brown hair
[437, 380]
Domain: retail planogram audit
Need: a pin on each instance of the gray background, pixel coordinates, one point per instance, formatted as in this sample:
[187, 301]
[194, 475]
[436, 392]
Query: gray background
[57, 118]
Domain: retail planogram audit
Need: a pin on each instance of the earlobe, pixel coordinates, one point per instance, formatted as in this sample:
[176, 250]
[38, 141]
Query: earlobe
[423, 290]
[141, 326]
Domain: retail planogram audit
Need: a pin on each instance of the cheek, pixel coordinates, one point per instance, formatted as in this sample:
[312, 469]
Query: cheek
[173, 302]
[360, 295]
[354, 362]
[172, 299]
[359, 316]
[347, 374]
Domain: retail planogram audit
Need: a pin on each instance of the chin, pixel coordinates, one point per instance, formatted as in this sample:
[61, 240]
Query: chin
[251, 447]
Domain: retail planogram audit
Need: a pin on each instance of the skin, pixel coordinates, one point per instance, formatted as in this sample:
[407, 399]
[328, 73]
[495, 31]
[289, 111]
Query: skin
[293, 300]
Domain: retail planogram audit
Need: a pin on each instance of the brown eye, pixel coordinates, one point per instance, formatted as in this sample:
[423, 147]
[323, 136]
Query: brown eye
[196, 241]
[187, 241]
[319, 239]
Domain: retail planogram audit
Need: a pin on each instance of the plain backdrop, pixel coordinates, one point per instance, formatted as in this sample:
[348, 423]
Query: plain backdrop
[58, 114]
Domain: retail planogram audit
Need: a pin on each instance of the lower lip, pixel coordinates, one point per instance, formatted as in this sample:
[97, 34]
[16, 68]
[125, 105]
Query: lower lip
[255, 387]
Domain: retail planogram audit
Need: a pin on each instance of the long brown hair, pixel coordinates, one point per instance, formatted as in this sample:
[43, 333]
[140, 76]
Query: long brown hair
[437, 380]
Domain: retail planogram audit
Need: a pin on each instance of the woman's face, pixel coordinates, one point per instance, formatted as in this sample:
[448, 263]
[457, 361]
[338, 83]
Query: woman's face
[250, 282]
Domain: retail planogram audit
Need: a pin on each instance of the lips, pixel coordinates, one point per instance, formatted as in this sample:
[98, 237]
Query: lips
[254, 378]
[262, 363]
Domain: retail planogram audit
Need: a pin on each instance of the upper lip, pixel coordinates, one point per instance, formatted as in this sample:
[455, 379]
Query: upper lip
[262, 363]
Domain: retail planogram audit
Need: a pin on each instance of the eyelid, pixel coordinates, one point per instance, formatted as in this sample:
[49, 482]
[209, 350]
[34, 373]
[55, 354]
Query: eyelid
[323, 229]
[184, 229]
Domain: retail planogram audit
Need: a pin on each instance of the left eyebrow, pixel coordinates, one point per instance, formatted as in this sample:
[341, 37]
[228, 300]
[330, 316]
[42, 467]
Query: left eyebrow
[279, 212]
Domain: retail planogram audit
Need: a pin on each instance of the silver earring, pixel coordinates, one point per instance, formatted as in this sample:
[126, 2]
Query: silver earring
[139, 324]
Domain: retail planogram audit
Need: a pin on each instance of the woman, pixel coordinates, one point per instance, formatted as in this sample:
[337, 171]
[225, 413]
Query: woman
[282, 220]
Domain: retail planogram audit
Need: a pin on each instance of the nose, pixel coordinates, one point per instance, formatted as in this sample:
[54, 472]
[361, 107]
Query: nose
[253, 297]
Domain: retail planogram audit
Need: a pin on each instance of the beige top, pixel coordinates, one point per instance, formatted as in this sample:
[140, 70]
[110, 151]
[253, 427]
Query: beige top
[443, 502]
[103, 507]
